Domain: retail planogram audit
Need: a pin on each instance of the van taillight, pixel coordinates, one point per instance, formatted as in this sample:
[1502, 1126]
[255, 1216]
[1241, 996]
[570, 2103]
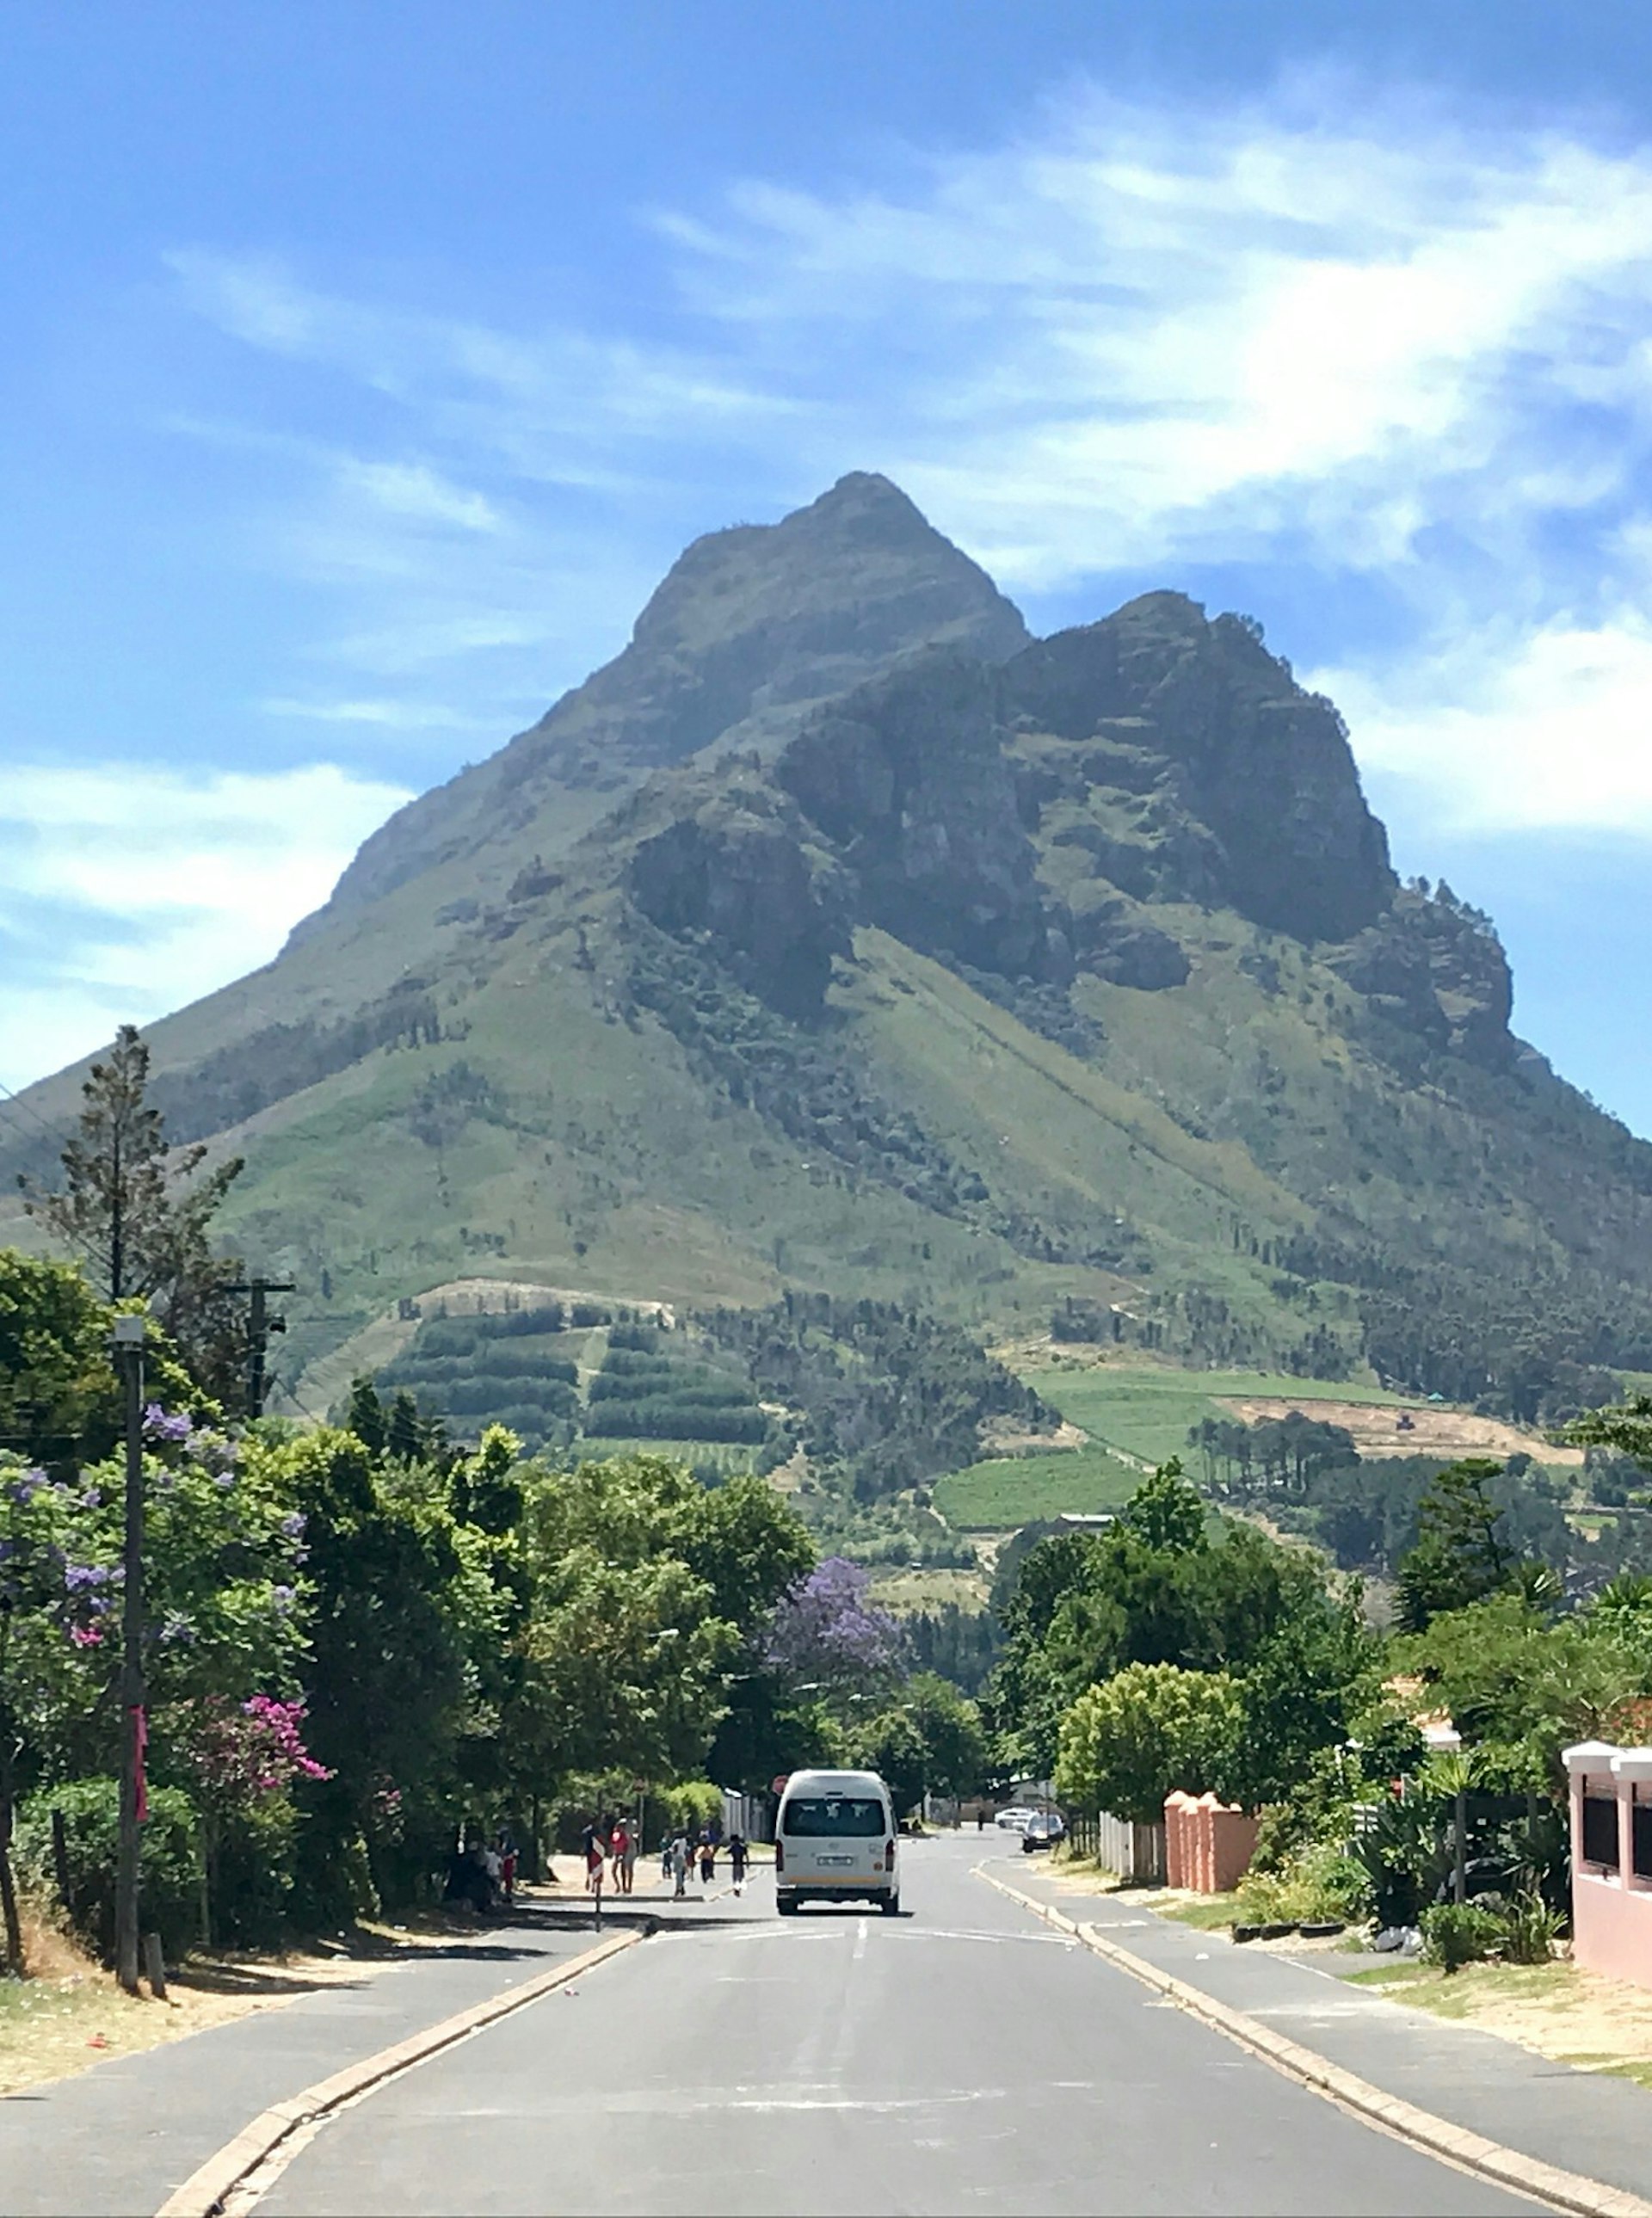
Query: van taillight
[889, 1856]
[780, 1855]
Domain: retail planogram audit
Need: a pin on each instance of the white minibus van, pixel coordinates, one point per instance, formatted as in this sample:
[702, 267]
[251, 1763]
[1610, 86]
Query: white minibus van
[835, 1841]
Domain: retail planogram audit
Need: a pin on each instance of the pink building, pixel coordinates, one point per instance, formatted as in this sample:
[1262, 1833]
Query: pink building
[1611, 1859]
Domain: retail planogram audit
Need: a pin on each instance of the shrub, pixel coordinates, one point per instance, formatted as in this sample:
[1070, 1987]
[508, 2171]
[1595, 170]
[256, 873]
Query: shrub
[1320, 1884]
[170, 1898]
[1458, 1933]
[1530, 1928]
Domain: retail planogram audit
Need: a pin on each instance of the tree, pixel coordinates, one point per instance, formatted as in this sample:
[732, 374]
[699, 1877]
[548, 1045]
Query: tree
[1627, 1427]
[403, 1438]
[1136, 1739]
[1458, 1558]
[1166, 1511]
[59, 1395]
[140, 1213]
[366, 1415]
[826, 1633]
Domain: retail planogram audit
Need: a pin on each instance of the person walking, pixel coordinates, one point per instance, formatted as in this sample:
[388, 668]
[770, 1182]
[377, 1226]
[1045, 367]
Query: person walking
[619, 1849]
[679, 1863]
[737, 1859]
[708, 1858]
[507, 1855]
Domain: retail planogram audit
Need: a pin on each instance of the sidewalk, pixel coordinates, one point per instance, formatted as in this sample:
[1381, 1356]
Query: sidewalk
[114, 2142]
[1583, 2122]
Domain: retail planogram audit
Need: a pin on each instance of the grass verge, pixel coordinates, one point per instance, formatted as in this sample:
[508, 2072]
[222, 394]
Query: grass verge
[1563, 2011]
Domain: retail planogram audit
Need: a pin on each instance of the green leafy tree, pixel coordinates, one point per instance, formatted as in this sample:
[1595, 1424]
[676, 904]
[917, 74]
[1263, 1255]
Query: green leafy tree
[1517, 1680]
[1127, 1744]
[59, 1395]
[1167, 1513]
[1459, 1557]
[1627, 1426]
[932, 1742]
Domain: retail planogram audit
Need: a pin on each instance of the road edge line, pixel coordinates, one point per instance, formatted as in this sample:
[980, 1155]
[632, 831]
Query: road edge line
[1505, 2167]
[211, 2183]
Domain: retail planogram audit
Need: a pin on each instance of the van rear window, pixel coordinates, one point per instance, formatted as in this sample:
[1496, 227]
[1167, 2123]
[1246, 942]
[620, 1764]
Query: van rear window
[833, 1817]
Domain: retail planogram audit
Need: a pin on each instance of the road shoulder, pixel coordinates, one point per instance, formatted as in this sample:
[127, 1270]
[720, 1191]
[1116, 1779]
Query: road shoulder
[1577, 2140]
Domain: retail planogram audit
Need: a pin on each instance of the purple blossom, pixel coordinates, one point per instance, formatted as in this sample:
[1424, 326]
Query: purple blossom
[78, 1577]
[161, 1426]
[294, 1524]
[226, 1480]
[283, 1598]
[92, 1498]
[824, 1630]
[175, 1628]
[24, 1488]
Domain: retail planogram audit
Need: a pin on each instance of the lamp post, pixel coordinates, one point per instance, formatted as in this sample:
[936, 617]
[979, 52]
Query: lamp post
[127, 1339]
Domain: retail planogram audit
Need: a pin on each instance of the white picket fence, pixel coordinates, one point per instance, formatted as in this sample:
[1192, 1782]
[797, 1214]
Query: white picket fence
[1134, 1852]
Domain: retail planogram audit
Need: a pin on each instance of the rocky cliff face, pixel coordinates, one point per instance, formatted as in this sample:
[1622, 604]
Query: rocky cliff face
[1193, 768]
[749, 627]
[908, 777]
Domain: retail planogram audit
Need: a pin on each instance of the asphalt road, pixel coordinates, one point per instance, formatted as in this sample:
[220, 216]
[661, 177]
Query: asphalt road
[961, 2059]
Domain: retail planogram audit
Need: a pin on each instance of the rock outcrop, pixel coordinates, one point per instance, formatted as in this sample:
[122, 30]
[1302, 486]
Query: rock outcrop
[749, 627]
[1203, 771]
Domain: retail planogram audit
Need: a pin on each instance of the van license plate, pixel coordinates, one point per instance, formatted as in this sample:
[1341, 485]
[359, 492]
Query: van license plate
[838, 1863]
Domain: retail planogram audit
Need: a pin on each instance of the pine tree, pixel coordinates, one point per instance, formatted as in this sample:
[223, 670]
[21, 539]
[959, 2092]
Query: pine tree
[403, 1439]
[1458, 1558]
[365, 1417]
[135, 1208]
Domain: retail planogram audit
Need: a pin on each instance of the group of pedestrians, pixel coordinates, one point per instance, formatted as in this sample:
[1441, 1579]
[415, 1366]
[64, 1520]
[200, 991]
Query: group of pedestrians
[483, 1873]
[680, 1855]
[611, 1846]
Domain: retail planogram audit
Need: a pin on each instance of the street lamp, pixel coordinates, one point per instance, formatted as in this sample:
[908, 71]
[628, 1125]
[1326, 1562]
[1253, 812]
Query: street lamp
[126, 1338]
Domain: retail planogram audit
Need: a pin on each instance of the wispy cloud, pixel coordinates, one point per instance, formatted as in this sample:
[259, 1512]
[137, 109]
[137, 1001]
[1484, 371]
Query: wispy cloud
[1338, 333]
[386, 715]
[130, 889]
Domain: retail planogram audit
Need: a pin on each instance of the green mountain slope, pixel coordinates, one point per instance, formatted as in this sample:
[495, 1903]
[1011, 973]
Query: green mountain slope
[835, 937]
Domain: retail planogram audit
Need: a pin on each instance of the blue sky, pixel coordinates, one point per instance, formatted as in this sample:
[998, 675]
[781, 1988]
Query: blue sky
[365, 365]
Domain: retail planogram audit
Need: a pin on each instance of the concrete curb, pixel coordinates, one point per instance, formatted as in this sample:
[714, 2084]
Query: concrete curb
[1564, 2190]
[208, 2188]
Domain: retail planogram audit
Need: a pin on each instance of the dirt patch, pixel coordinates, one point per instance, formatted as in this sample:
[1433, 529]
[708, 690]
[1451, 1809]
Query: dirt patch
[71, 2014]
[1002, 1436]
[1559, 2010]
[1378, 1430]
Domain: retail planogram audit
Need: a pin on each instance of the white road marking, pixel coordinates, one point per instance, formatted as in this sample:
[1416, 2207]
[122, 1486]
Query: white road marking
[860, 1939]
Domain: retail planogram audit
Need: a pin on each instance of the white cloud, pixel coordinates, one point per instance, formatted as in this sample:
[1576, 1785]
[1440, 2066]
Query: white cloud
[1322, 330]
[130, 889]
[1153, 335]
[1549, 731]
[389, 716]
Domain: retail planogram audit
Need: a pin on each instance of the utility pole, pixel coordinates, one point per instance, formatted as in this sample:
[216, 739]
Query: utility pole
[128, 1343]
[262, 1322]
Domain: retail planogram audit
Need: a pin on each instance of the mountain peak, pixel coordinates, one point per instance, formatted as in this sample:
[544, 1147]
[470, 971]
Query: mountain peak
[749, 628]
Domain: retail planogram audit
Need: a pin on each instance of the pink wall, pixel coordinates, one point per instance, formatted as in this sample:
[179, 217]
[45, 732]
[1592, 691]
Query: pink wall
[1611, 1908]
[1208, 1845]
[1611, 1928]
